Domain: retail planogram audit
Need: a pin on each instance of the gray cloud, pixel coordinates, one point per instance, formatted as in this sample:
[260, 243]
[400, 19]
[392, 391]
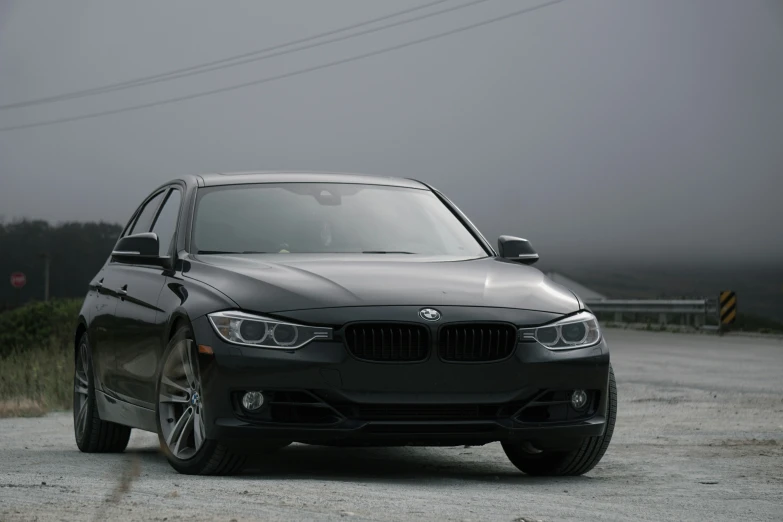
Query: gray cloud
[605, 127]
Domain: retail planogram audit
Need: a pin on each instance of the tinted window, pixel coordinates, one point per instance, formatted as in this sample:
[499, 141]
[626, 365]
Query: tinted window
[328, 218]
[166, 224]
[147, 214]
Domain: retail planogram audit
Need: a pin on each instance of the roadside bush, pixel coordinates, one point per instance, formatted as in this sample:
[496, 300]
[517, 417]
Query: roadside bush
[36, 324]
[36, 357]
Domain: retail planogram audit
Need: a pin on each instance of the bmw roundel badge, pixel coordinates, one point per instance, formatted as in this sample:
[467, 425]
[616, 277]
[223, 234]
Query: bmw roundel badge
[429, 314]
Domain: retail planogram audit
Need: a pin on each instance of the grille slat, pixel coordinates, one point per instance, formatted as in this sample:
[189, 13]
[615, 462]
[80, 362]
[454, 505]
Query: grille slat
[387, 342]
[480, 342]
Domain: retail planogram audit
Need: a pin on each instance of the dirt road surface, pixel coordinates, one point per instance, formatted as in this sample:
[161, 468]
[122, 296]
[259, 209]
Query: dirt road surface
[699, 437]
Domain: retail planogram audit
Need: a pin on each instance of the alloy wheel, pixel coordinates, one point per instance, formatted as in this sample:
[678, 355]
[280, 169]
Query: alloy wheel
[179, 401]
[81, 390]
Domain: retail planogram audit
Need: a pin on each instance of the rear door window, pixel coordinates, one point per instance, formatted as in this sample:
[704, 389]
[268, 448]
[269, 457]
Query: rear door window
[144, 220]
[166, 223]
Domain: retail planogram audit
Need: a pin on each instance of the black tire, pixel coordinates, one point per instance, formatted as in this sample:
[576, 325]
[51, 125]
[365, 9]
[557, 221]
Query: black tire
[92, 434]
[211, 457]
[567, 463]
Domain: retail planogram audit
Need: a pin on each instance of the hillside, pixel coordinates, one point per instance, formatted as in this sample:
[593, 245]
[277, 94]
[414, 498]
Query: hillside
[77, 251]
[759, 286]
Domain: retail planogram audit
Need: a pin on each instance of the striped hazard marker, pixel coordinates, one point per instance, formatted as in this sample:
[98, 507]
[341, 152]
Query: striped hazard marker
[728, 307]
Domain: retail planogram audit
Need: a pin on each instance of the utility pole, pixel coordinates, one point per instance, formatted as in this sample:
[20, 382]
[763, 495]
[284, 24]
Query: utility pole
[46, 258]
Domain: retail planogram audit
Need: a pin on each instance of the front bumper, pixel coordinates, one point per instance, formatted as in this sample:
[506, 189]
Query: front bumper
[321, 394]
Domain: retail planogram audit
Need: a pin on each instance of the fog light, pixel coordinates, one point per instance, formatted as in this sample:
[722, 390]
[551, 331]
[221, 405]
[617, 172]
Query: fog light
[579, 399]
[252, 400]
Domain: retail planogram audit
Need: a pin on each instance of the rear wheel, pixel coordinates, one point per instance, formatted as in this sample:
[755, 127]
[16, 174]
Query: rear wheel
[180, 414]
[567, 463]
[93, 435]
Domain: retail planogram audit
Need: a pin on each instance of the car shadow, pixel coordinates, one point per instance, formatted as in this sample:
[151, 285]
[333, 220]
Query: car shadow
[371, 465]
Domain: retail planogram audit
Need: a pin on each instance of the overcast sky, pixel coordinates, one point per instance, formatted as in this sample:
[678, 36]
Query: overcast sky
[624, 127]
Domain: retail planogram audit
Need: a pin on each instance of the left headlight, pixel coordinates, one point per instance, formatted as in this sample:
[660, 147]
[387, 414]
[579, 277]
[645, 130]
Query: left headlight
[577, 331]
[254, 330]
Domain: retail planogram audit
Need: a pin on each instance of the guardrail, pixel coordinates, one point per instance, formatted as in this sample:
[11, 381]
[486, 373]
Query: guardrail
[695, 312]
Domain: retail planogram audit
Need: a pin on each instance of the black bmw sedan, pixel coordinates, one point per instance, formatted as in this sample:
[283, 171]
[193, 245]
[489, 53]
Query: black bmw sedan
[239, 313]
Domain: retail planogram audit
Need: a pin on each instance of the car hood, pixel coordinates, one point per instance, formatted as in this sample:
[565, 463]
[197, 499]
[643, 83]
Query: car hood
[286, 282]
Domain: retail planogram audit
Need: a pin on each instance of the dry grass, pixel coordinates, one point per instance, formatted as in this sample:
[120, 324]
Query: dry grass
[36, 380]
[21, 407]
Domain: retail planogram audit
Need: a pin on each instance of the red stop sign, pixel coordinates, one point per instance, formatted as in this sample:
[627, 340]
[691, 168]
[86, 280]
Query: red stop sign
[18, 279]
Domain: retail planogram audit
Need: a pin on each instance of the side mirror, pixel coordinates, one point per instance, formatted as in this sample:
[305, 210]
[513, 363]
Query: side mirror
[517, 249]
[139, 248]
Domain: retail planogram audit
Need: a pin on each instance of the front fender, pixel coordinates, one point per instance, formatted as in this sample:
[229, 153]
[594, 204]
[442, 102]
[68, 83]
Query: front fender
[184, 300]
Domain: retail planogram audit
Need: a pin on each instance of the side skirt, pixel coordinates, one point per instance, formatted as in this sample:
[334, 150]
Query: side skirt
[121, 412]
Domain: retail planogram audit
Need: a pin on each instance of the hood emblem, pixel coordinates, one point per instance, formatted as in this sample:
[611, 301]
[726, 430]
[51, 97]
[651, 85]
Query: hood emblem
[429, 314]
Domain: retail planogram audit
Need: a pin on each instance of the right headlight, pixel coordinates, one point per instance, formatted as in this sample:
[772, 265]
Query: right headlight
[577, 331]
[254, 330]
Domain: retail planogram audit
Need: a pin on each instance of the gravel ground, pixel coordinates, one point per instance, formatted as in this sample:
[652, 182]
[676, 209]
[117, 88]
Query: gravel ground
[699, 437]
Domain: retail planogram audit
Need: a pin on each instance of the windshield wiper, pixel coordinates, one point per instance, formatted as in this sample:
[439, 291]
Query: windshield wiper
[386, 252]
[230, 252]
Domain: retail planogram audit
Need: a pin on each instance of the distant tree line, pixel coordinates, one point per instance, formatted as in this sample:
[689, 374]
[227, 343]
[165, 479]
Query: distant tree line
[76, 250]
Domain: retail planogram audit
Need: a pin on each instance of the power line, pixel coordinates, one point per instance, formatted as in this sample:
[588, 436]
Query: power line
[278, 53]
[286, 75]
[221, 63]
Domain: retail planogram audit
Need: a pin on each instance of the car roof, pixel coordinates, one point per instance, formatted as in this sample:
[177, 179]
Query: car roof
[238, 178]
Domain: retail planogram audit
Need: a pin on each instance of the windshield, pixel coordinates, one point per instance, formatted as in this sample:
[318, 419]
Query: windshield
[327, 218]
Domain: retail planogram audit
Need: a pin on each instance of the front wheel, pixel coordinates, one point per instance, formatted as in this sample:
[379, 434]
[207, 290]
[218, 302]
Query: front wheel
[180, 414]
[567, 463]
